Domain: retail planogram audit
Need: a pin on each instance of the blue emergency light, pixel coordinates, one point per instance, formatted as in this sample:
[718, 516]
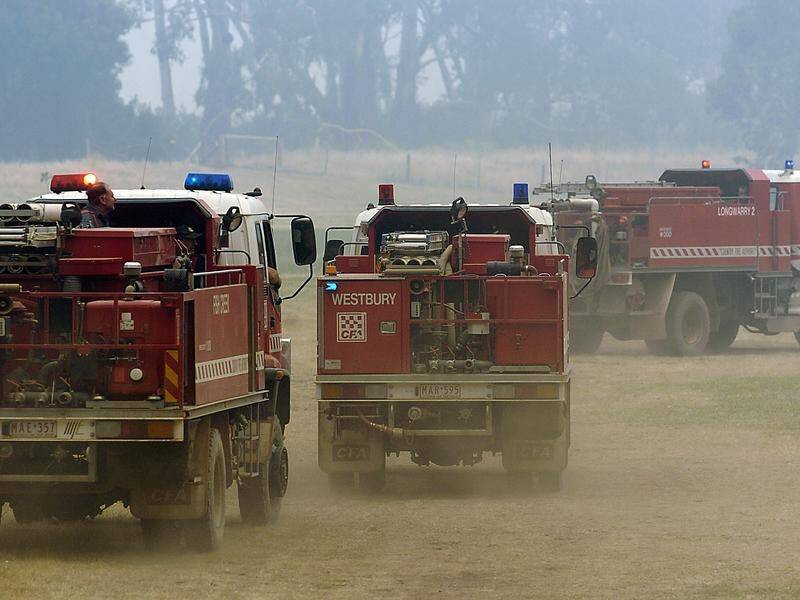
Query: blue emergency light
[210, 182]
[520, 193]
[331, 286]
[789, 165]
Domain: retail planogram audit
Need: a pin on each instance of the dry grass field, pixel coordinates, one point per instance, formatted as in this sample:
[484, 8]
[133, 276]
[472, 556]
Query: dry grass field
[682, 480]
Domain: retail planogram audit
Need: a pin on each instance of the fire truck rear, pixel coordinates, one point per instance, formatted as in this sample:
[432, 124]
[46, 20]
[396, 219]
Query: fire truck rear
[144, 362]
[444, 334]
[687, 261]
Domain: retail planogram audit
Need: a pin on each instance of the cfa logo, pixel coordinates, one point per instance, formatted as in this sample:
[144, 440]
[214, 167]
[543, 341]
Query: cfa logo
[350, 453]
[351, 327]
[221, 304]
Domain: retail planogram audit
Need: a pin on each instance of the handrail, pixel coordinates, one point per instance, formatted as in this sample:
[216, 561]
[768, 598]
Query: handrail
[221, 272]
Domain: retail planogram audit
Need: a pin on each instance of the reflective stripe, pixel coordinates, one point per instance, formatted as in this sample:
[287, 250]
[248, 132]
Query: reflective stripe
[171, 385]
[692, 252]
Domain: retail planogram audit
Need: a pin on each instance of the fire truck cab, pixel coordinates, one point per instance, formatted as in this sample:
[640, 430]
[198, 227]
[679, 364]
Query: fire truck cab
[144, 362]
[442, 332]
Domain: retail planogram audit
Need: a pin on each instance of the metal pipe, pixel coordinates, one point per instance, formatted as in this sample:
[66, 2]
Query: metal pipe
[395, 433]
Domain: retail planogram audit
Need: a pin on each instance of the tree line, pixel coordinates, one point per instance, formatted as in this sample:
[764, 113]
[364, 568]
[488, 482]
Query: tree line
[609, 74]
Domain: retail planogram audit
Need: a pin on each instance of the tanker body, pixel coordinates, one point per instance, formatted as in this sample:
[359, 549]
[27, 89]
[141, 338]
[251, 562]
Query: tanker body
[444, 335]
[687, 261]
[144, 362]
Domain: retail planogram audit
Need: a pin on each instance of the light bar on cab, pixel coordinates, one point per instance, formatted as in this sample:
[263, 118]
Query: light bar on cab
[74, 182]
[209, 182]
[520, 193]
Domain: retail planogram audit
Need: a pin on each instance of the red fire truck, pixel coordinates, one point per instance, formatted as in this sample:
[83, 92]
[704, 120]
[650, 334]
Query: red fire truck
[444, 334]
[686, 261]
[144, 362]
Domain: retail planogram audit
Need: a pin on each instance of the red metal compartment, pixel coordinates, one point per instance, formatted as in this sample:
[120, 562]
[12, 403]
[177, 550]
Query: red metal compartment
[152, 247]
[478, 249]
[145, 321]
[354, 264]
[530, 311]
[363, 327]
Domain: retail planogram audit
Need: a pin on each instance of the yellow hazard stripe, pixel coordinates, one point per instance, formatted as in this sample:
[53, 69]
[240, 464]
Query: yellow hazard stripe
[170, 377]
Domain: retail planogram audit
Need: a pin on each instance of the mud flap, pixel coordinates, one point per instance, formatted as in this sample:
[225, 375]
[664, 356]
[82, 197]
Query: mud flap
[187, 501]
[353, 449]
[535, 436]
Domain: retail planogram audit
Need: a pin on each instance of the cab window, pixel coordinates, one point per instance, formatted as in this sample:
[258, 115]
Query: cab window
[269, 246]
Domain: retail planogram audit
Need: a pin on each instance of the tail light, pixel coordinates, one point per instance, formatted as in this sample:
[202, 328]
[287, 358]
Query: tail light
[131, 430]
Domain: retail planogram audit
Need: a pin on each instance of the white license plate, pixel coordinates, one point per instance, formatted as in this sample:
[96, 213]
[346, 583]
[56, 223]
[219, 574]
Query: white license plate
[43, 429]
[438, 391]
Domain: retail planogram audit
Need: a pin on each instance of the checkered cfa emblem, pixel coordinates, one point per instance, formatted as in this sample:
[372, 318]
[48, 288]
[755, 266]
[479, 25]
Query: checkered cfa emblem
[351, 327]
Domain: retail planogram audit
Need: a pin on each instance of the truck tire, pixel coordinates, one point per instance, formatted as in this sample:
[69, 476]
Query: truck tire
[724, 336]
[688, 324]
[260, 497]
[586, 340]
[205, 534]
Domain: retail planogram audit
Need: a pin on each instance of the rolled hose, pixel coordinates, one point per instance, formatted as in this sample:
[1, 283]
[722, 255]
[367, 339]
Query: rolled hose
[445, 258]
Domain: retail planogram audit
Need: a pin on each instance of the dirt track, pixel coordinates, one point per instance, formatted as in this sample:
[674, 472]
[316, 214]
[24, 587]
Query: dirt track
[682, 483]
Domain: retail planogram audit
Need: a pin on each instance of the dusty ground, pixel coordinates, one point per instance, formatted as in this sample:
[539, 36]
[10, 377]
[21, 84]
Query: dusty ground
[682, 483]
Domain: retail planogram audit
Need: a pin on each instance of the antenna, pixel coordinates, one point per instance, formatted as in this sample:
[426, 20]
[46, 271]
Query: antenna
[146, 159]
[550, 152]
[560, 171]
[455, 162]
[274, 174]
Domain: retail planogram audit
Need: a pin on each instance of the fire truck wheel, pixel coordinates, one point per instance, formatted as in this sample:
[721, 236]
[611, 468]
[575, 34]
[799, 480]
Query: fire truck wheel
[688, 324]
[586, 341]
[722, 338]
[205, 534]
[260, 497]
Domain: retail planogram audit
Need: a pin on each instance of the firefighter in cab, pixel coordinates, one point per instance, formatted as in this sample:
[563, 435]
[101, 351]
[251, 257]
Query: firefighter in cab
[101, 203]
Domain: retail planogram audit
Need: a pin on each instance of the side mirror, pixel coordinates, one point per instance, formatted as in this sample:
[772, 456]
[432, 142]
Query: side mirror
[304, 241]
[333, 249]
[586, 258]
[232, 219]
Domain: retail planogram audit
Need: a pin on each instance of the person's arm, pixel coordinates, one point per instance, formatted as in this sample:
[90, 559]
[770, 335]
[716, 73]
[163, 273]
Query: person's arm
[273, 277]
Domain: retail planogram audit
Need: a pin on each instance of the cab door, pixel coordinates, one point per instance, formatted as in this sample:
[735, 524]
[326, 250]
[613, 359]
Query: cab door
[266, 259]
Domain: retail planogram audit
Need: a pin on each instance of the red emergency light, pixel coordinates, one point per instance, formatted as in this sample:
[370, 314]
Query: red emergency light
[74, 182]
[385, 194]
[706, 164]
